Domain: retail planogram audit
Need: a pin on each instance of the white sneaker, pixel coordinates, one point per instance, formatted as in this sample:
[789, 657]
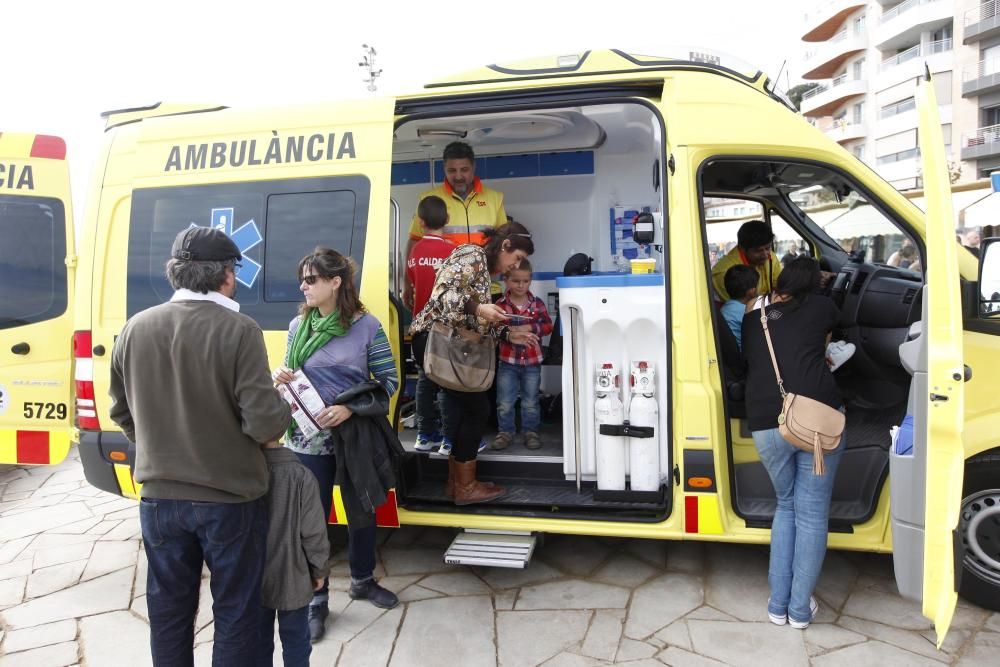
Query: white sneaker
[813, 610]
[775, 618]
[837, 352]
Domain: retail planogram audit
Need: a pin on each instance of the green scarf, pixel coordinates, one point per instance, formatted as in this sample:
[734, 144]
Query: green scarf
[314, 332]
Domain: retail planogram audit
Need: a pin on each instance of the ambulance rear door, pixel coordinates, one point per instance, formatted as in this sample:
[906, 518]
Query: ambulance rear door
[36, 290]
[925, 544]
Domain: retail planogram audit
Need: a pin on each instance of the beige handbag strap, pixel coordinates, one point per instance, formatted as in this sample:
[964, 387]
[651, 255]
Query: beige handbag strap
[770, 348]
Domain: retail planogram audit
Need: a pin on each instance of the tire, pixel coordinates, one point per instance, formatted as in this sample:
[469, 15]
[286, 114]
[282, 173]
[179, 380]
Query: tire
[979, 525]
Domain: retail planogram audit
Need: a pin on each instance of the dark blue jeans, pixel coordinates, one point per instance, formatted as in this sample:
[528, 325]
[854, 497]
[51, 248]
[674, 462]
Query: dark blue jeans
[360, 541]
[293, 629]
[231, 538]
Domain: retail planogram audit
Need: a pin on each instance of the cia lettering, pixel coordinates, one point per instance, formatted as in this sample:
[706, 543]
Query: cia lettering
[17, 177]
[298, 148]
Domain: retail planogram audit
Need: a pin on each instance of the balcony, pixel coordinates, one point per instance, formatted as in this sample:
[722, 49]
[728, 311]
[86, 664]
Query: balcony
[824, 20]
[831, 55]
[981, 22]
[981, 78]
[984, 142]
[843, 130]
[909, 64]
[903, 24]
[824, 100]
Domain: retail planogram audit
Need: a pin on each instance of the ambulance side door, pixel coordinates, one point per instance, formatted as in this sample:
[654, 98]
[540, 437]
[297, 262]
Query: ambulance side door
[925, 551]
[36, 292]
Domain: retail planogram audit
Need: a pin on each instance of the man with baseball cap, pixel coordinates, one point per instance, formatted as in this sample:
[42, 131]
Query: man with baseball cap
[191, 387]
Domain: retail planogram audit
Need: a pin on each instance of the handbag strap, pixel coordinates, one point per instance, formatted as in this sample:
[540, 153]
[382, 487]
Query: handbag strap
[770, 348]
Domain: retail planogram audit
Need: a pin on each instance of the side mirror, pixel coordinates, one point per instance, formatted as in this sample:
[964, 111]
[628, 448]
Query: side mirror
[989, 277]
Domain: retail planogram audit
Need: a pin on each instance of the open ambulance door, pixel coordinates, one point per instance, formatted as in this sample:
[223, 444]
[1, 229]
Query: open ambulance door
[926, 485]
[36, 290]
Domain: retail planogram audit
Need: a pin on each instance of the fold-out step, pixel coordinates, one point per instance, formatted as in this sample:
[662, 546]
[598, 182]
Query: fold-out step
[491, 548]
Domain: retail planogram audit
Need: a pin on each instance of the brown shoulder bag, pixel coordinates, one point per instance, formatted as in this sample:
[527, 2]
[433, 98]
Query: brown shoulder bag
[806, 423]
[459, 359]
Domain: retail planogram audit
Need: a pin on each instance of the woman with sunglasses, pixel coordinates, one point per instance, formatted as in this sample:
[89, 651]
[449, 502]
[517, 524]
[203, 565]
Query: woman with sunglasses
[460, 298]
[338, 345]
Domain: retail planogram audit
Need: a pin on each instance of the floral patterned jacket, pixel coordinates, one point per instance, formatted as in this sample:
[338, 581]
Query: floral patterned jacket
[462, 283]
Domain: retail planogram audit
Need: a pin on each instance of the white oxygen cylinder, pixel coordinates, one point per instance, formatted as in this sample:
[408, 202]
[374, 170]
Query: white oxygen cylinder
[609, 409]
[644, 453]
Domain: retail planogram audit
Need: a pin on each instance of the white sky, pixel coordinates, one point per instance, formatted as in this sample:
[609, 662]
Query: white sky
[66, 62]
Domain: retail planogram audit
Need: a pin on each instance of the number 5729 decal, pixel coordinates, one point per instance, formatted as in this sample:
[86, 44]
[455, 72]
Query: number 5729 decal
[45, 411]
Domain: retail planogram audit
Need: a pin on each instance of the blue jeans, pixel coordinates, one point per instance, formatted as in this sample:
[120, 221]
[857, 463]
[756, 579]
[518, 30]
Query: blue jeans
[428, 409]
[513, 381]
[360, 541]
[293, 629]
[800, 526]
[232, 539]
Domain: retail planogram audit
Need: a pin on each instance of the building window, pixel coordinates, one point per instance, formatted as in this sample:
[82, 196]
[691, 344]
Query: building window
[859, 151]
[859, 25]
[859, 113]
[859, 69]
[991, 116]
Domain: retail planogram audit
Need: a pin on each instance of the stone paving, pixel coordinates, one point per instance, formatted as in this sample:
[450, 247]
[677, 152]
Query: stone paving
[72, 591]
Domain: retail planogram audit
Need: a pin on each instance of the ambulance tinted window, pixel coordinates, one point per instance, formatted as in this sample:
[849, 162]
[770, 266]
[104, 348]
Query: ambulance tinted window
[32, 260]
[274, 223]
[296, 224]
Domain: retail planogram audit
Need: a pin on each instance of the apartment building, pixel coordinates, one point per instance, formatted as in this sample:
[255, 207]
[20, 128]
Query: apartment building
[867, 57]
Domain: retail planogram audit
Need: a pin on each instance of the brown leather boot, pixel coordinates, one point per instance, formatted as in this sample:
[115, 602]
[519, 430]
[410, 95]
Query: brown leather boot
[449, 486]
[468, 490]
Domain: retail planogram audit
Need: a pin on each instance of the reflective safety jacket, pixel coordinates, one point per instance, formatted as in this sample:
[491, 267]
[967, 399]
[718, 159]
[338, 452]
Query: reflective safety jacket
[481, 209]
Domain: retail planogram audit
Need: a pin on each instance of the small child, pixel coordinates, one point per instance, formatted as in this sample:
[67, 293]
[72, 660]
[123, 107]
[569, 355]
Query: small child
[298, 554]
[741, 284]
[421, 268]
[520, 369]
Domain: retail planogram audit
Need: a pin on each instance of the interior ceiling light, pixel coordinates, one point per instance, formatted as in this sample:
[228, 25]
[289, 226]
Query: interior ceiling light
[432, 132]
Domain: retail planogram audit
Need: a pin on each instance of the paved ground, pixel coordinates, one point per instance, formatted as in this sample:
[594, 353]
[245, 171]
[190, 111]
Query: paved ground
[72, 584]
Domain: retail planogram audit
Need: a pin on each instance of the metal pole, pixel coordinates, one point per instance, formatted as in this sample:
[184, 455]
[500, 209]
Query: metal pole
[576, 396]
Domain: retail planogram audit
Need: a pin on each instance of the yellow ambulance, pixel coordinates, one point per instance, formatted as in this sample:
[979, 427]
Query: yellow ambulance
[37, 270]
[581, 146]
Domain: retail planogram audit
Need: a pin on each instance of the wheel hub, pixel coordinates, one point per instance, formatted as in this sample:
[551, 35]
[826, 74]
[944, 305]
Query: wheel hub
[980, 530]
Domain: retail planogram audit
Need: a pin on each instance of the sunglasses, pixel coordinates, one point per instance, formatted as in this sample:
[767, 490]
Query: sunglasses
[309, 280]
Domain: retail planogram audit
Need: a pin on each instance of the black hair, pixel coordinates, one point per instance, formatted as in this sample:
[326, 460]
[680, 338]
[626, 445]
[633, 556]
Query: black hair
[514, 234]
[328, 264]
[799, 279]
[433, 211]
[739, 280]
[754, 234]
[459, 150]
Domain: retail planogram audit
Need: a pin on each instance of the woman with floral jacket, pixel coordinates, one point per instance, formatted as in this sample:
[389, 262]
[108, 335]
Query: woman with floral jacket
[461, 299]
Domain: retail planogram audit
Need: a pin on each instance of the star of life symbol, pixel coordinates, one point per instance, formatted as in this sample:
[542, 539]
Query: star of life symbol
[246, 236]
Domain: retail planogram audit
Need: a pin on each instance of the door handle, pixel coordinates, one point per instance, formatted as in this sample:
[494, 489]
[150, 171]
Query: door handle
[20, 348]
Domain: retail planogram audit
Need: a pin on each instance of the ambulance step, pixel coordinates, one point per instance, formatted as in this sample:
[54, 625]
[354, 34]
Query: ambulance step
[491, 549]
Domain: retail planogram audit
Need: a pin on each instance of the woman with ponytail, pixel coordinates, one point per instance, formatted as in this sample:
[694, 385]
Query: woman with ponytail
[460, 298]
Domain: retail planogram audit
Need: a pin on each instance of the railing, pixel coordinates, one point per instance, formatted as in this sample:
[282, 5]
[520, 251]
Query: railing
[890, 110]
[902, 8]
[837, 81]
[981, 69]
[987, 10]
[984, 135]
[940, 46]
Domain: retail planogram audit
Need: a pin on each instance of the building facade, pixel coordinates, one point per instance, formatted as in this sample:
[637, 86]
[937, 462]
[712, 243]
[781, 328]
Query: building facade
[867, 57]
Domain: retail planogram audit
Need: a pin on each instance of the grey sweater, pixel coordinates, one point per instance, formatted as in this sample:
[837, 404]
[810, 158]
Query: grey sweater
[297, 547]
[191, 387]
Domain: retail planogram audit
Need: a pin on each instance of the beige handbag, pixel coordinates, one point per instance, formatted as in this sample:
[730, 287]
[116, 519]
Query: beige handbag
[459, 359]
[806, 423]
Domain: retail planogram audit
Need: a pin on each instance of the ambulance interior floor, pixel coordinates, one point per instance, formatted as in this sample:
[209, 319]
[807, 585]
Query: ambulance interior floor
[534, 480]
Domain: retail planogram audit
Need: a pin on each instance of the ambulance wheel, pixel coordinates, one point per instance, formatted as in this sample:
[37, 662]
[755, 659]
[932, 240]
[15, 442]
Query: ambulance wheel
[979, 526]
